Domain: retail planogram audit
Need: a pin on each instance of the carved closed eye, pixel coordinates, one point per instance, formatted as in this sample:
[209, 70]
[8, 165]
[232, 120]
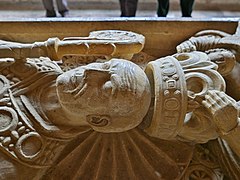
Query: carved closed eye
[74, 81]
[98, 121]
[106, 66]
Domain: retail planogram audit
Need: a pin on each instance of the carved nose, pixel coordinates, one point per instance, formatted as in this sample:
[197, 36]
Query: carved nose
[61, 80]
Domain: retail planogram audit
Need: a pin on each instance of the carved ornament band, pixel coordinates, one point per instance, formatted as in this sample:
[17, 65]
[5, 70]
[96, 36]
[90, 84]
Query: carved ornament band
[170, 103]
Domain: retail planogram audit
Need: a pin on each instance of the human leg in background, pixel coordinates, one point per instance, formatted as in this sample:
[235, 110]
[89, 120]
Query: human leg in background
[186, 7]
[62, 7]
[128, 8]
[163, 7]
[122, 8]
[48, 5]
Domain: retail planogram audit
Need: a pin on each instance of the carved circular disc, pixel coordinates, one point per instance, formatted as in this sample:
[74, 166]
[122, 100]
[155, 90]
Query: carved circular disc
[198, 83]
[199, 172]
[8, 119]
[29, 146]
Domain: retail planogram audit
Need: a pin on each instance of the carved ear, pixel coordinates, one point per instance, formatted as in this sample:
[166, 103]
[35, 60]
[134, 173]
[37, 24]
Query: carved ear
[98, 120]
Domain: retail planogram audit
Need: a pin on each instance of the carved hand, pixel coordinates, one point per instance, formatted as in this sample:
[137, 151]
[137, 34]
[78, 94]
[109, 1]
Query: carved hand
[224, 110]
[186, 46]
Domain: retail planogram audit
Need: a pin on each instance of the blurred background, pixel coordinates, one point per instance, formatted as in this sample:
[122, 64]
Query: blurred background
[111, 8]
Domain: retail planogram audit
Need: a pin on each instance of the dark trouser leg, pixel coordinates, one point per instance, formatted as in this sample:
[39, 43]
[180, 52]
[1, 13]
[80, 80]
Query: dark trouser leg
[163, 7]
[48, 5]
[128, 8]
[186, 7]
[131, 7]
[62, 6]
[122, 7]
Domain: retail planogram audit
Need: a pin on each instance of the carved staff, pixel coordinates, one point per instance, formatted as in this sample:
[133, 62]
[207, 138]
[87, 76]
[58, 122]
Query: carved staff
[99, 43]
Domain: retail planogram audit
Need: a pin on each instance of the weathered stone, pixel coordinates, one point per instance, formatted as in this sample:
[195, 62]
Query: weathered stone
[110, 118]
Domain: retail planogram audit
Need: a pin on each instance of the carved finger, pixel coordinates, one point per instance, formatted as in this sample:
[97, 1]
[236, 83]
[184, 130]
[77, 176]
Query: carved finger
[209, 98]
[230, 99]
[223, 96]
[227, 99]
[214, 105]
[217, 98]
[206, 104]
[213, 93]
[191, 47]
[186, 47]
[211, 107]
[180, 48]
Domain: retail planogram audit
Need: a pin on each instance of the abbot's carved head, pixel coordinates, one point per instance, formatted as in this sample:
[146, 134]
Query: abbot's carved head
[111, 97]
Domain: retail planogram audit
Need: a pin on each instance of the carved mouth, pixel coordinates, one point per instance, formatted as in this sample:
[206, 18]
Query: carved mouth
[98, 121]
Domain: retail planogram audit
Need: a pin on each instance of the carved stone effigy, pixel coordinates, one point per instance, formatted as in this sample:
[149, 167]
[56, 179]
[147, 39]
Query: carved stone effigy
[224, 50]
[92, 114]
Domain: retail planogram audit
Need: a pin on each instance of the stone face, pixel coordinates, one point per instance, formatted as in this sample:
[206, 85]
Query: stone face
[98, 107]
